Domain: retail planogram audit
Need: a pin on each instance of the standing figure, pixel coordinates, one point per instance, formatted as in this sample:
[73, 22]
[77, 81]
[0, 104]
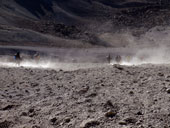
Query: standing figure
[36, 56]
[17, 58]
[118, 59]
[109, 59]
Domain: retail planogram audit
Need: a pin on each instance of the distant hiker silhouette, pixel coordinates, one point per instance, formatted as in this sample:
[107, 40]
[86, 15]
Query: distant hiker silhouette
[109, 59]
[17, 57]
[36, 56]
[118, 58]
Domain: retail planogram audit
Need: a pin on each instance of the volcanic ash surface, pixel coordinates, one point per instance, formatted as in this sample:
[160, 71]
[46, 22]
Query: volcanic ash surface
[111, 97]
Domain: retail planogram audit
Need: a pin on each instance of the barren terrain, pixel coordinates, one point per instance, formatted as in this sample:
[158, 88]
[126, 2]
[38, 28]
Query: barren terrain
[75, 80]
[109, 97]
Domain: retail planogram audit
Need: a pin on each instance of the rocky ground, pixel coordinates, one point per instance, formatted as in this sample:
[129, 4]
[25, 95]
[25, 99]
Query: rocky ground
[81, 96]
[110, 97]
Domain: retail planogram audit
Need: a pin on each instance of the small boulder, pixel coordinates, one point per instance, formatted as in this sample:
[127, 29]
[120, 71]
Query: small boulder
[35, 126]
[67, 120]
[53, 120]
[139, 113]
[123, 122]
[83, 90]
[127, 121]
[108, 104]
[119, 67]
[34, 84]
[61, 70]
[168, 90]
[167, 80]
[89, 123]
[24, 114]
[131, 93]
[5, 124]
[31, 110]
[110, 114]
[8, 107]
[160, 74]
[130, 120]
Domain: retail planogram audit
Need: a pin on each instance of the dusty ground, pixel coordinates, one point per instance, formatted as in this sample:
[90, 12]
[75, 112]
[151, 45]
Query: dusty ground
[110, 97]
[102, 96]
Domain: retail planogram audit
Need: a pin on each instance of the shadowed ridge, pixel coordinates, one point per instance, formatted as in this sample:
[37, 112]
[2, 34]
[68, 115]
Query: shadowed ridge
[36, 7]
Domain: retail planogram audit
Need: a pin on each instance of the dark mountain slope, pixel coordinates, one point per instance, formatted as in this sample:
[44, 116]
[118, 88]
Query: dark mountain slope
[37, 7]
[80, 19]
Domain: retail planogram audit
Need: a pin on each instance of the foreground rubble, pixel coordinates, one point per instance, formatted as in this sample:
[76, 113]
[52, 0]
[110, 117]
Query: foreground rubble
[110, 97]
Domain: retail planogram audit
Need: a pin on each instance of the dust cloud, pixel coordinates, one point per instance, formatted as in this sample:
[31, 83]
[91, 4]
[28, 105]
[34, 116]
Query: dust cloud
[147, 56]
[152, 47]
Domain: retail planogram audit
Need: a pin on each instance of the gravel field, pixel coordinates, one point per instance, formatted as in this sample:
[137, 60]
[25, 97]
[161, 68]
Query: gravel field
[102, 97]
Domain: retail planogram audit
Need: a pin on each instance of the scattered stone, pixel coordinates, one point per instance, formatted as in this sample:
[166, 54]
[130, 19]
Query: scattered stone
[168, 90]
[160, 74]
[24, 114]
[26, 91]
[135, 81]
[123, 123]
[34, 84]
[89, 123]
[5, 124]
[88, 100]
[164, 89]
[61, 70]
[102, 85]
[119, 67]
[53, 120]
[127, 121]
[110, 114]
[37, 89]
[32, 115]
[35, 126]
[168, 77]
[139, 113]
[131, 93]
[92, 95]
[91, 110]
[8, 107]
[22, 82]
[130, 120]
[108, 104]
[83, 90]
[141, 126]
[167, 80]
[67, 120]
[31, 110]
